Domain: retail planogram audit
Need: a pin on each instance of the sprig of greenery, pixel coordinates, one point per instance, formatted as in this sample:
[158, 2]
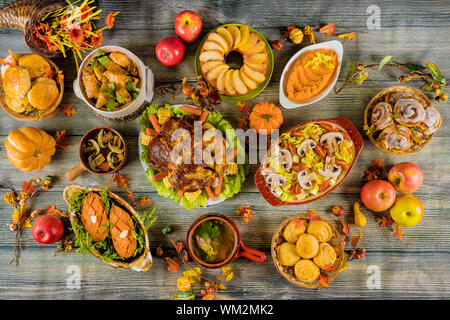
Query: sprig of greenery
[435, 81]
[209, 230]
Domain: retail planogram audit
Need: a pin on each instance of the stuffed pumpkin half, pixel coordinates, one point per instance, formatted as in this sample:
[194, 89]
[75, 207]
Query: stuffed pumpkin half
[106, 226]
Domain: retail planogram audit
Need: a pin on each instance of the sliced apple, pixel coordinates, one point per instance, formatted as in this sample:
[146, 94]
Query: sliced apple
[214, 36]
[257, 58]
[227, 35]
[212, 45]
[206, 66]
[236, 34]
[252, 40]
[257, 48]
[253, 74]
[238, 84]
[220, 83]
[214, 72]
[245, 35]
[229, 87]
[211, 55]
[248, 82]
[260, 67]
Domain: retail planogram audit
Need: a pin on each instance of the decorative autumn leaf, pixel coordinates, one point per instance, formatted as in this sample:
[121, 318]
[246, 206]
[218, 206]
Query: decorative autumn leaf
[184, 256]
[68, 110]
[323, 280]
[311, 215]
[209, 296]
[345, 227]
[121, 180]
[177, 245]
[130, 195]
[245, 212]
[348, 35]
[60, 137]
[328, 29]
[398, 232]
[385, 221]
[243, 122]
[299, 222]
[28, 187]
[385, 60]
[242, 106]
[144, 202]
[193, 274]
[435, 72]
[355, 240]
[378, 163]
[174, 264]
[159, 250]
[183, 81]
[227, 273]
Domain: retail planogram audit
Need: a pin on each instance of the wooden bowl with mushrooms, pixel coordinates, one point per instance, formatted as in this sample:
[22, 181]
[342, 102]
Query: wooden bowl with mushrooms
[308, 161]
[102, 151]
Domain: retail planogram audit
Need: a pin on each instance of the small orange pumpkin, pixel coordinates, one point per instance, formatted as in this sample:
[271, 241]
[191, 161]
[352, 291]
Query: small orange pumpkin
[266, 115]
[29, 148]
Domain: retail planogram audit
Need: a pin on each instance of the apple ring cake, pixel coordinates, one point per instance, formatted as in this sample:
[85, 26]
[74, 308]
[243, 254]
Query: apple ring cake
[218, 72]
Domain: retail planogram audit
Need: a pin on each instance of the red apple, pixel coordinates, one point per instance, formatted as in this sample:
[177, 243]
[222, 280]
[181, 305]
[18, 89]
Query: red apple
[378, 195]
[170, 51]
[48, 229]
[407, 210]
[406, 177]
[188, 26]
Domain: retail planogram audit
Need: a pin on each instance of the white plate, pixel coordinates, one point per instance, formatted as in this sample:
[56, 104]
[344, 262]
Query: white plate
[333, 45]
[145, 166]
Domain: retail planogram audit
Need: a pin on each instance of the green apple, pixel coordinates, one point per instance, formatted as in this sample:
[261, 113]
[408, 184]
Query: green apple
[407, 211]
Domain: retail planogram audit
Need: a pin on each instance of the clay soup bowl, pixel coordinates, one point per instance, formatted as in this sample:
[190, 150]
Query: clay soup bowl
[76, 171]
[240, 250]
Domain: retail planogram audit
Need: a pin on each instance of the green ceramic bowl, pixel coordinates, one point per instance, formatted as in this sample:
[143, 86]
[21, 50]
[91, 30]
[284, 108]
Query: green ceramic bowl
[260, 87]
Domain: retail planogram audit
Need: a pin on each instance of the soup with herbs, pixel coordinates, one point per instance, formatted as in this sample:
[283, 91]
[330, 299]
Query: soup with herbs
[213, 241]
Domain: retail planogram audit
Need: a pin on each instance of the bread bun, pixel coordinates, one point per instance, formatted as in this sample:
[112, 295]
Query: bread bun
[43, 93]
[35, 64]
[16, 82]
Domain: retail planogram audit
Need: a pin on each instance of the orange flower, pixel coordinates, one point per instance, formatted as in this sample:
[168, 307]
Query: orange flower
[97, 40]
[84, 9]
[110, 20]
[86, 26]
[76, 34]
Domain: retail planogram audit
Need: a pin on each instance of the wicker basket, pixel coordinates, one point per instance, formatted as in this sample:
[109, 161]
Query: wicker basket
[35, 114]
[379, 97]
[288, 272]
[23, 15]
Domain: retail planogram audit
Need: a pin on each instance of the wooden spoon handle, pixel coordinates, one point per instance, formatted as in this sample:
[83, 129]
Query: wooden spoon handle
[75, 172]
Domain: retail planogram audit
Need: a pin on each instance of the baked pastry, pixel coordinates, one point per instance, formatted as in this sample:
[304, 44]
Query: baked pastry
[43, 93]
[321, 230]
[381, 115]
[411, 112]
[16, 82]
[326, 257]
[294, 229]
[396, 138]
[287, 254]
[35, 64]
[306, 271]
[217, 71]
[307, 246]
[17, 104]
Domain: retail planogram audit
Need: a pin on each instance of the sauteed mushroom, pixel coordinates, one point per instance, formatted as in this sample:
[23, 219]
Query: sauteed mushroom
[285, 159]
[330, 141]
[306, 146]
[275, 182]
[331, 170]
[104, 151]
[305, 179]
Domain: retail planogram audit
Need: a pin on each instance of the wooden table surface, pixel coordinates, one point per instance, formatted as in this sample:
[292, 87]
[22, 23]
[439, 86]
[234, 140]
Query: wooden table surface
[417, 267]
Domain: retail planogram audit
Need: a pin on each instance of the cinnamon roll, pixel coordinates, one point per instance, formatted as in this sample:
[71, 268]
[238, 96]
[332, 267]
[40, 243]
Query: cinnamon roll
[411, 112]
[381, 115]
[432, 120]
[395, 138]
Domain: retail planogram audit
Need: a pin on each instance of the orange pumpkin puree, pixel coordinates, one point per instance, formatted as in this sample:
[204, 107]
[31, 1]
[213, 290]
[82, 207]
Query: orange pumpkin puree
[310, 74]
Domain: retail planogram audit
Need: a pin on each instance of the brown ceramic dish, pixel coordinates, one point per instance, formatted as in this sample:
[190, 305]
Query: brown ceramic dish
[342, 123]
[76, 171]
[288, 272]
[381, 97]
[239, 250]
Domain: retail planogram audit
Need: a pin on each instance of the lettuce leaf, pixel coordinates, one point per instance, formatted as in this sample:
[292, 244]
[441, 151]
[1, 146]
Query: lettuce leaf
[231, 184]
